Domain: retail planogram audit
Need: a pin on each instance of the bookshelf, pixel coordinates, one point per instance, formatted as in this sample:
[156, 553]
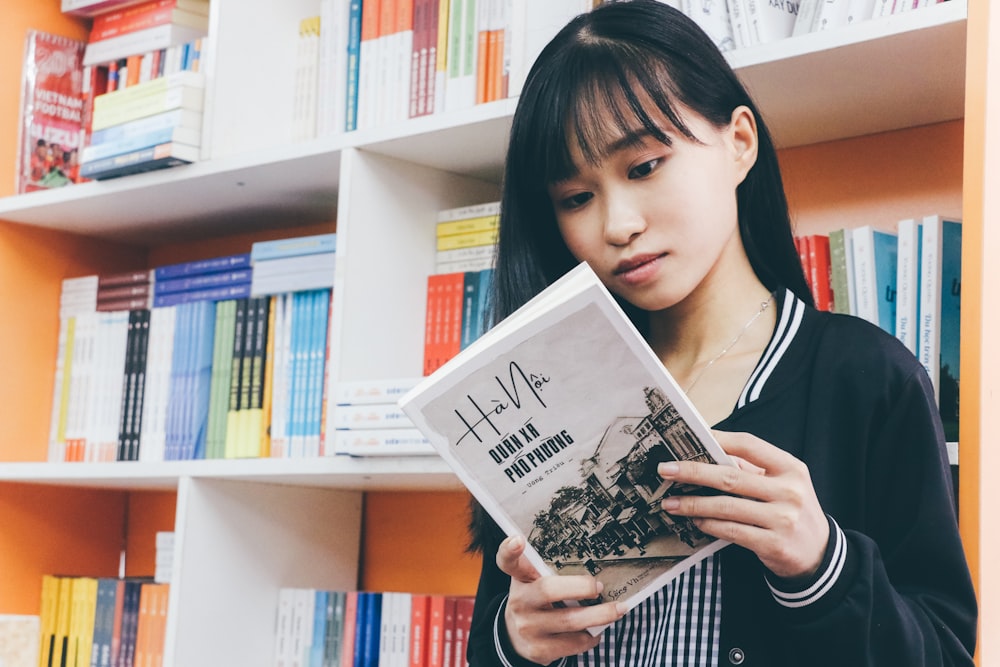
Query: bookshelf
[888, 88]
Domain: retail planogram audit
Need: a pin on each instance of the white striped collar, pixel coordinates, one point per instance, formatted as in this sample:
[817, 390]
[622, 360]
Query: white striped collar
[789, 321]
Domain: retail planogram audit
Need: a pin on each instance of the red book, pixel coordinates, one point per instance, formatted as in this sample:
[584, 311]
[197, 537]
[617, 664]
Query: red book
[419, 609]
[448, 626]
[463, 623]
[819, 270]
[435, 631]
[51, 114]
[146, 15]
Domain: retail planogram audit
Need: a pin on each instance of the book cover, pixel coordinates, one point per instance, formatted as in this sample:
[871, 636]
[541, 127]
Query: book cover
[50, 127]
[517, 417]
[909, 236]
[293, 247]
[940, 313]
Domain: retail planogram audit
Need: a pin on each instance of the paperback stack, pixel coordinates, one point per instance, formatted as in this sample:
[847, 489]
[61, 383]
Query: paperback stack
[127, 290]
[164, 557]
[457, 290]
[148, 126]
[211, 279]
[293, 264]
[368, 422]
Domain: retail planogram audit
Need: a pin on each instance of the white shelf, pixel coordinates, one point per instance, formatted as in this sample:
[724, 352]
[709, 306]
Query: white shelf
[414, 473]
[858, 80]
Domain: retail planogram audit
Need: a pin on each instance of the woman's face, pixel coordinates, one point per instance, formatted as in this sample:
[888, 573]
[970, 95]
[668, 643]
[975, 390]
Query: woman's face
[657, 221]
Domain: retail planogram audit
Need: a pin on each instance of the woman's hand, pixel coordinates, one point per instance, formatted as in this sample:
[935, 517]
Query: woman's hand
[538, 630]
[768, 504]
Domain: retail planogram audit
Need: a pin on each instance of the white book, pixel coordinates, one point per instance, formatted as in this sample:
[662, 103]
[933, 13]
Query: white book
[279, 381]
[375, 415]
[517, 417]
[771, 20]
[865, 289]
[533, 25]
[140, 41]
[940, 266]
[381, 442]
[831, 14]
[713, 17]
[805, 22]
[159, 363]
[375, 390]
[740, 21]
[908, 282]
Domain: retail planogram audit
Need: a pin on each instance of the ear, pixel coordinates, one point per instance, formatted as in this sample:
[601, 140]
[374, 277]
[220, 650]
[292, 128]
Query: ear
[743, 139]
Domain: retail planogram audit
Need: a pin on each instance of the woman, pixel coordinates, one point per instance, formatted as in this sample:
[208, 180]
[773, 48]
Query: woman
[635, 148]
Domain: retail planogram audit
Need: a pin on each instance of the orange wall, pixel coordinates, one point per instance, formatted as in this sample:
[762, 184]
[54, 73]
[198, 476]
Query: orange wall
[416, 542]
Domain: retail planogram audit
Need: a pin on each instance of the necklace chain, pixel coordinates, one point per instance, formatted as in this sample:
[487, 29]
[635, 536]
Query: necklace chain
[763, 306]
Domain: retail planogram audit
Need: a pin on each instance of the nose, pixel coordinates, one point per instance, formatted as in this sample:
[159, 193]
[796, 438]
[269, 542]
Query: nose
[623, 220]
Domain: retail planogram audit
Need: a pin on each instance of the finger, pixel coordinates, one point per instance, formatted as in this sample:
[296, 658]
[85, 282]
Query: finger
[512, 561]
[546, 592]
[725, 508]
[751, 448]
[727, 479]
[747, 466]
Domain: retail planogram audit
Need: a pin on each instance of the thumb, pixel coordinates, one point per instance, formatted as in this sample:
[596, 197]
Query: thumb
[513, 562]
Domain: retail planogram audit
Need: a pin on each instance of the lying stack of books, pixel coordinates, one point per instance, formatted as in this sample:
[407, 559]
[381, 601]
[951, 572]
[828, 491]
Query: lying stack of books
[368, 422]
[293, 264]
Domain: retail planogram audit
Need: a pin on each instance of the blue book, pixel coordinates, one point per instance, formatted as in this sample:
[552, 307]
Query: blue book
[179, 375]
[177, 118]
[136, 142]
[940, 314]
[202, 266]
[221, 293]
[150, 158]
[317, 367]
[195, 432]
[482, 304]
[372, 630]
[317, 645]
[293, 247]
[187, 283]
[360, 614]
[353, 65]
[885, 279]
[470, 304]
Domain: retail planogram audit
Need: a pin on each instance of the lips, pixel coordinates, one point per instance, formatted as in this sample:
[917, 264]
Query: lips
[637, 269]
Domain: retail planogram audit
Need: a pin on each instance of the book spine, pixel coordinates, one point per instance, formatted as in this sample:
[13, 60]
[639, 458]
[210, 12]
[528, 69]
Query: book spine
[145, 159]
[907, 282]
[208, 294]
[183, 97]
[381, 442]
[467, 240]
[377, 415]
[293, 247]
[202, 281]
[866, 288]
[202, 266]
[108, 149]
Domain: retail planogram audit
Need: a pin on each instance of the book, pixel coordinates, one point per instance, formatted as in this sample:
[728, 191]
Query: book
[137, 142]
[50, 126]
[381, 442]
[93, 8]
[875, 263]
[151, 158]
[143, 40]
[841, 272]
[151, 98]
[293, 247]
[940, 313]
[147, 15]
[513, 416]
[909, 236]
[202, 266]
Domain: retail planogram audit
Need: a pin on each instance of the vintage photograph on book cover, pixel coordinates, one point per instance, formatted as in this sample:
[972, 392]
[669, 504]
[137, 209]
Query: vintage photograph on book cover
[556, 421]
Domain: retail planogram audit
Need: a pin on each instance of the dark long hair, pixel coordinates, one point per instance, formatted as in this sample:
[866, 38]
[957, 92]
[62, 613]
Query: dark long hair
[608, 61]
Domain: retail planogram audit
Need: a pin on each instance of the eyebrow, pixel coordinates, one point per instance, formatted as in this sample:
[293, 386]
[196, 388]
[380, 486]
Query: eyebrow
[630, 139]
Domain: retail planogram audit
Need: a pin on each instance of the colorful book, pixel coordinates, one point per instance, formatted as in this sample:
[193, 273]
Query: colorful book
[50, 127]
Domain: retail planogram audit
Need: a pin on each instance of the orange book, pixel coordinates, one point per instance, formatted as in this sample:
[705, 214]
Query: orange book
[818, 249]
[144, 625]
[350, 624]
[419, 608]
[483, 56]
[435, 631]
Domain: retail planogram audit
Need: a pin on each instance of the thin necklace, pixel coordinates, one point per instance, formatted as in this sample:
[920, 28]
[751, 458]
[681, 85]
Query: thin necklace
[763, 306]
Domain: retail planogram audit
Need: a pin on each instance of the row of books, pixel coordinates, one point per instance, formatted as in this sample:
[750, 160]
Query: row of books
[102, 621]
[465, 243]
[367, 420]
[319, 628]
[383, 61]
[209, 376]
[738, 24]
[906, 280]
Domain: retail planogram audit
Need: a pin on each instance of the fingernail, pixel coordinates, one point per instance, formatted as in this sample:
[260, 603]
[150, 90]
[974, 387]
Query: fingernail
[621, 608]
[671, 503]
[668, 469]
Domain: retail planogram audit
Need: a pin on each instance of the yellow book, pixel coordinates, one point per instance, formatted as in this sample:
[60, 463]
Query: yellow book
[236, 377]
[60, 645]
[266, 399]
[487, 237]
[151, 88]
[48, 615]
[469, 225]
[87, 592]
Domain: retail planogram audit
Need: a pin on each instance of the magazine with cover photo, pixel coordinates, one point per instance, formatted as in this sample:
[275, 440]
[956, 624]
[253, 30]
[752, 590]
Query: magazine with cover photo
[556, 420]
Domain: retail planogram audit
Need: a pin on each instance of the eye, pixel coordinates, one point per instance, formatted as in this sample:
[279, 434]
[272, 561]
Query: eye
[644, 169]
[575, 201]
